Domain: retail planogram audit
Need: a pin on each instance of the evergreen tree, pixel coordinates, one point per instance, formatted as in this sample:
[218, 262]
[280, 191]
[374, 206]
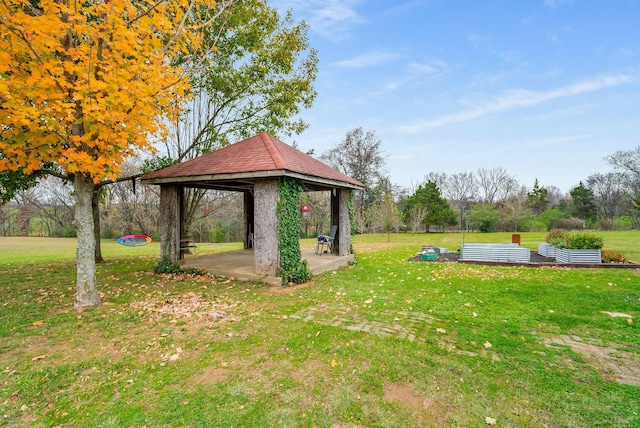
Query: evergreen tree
[439, 211]
[584, 206]
[537, 200]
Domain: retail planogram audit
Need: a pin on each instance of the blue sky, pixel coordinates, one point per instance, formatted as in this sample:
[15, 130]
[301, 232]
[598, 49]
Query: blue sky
[542, 88]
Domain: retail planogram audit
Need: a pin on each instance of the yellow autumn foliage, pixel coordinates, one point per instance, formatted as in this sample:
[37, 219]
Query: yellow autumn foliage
[86, 84]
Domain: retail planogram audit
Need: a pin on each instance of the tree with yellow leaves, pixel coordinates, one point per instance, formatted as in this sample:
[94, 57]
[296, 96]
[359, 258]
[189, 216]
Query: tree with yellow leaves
[84, 85]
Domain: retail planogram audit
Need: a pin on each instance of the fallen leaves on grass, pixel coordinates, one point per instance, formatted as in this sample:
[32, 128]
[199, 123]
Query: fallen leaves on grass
[37, 323]
[187, 305]
[490, 421]
[487, 345]
[39, 357]
[173, 357]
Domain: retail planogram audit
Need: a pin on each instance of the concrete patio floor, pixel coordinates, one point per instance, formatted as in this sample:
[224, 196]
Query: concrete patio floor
[240, 264]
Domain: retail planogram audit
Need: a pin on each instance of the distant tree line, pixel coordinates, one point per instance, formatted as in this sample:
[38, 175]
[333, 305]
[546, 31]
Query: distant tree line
[486, 200]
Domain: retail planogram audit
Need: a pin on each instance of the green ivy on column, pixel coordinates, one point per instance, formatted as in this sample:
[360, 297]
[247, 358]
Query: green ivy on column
[292, 267]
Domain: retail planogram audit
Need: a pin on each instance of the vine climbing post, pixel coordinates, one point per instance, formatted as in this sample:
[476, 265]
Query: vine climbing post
[292, 267]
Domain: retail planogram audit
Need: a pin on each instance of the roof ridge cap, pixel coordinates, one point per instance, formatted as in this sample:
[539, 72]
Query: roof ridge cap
[273, 150]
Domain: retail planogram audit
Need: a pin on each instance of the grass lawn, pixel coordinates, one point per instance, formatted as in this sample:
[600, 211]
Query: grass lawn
[384, 343]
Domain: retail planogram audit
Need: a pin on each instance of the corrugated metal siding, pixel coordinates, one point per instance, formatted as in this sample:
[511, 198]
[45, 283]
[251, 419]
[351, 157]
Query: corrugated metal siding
[578, 256]
[547, 250]
[496, 252]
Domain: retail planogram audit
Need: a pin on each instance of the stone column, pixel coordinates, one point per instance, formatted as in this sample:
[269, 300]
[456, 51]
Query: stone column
[170, 222]
[265, 239]
[340, 218]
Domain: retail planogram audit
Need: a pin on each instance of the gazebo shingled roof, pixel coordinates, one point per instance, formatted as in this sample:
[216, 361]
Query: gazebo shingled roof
[252, 167]
[261, 156]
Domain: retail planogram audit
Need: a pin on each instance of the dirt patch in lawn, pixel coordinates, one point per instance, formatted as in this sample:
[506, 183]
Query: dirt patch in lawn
[613, 364]
[403, 393]
[210, 376]
[429, 411]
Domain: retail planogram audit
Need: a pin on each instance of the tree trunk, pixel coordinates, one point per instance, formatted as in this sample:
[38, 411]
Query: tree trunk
[170, 222]
[95, 208]
[86, 289]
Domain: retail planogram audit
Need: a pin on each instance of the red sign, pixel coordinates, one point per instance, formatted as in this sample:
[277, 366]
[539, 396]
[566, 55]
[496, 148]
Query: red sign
[305, 208]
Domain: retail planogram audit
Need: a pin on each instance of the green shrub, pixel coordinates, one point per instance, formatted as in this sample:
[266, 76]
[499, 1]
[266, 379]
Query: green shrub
[484, 217]
[193, 271]
[218, 234]
[584, 241]
[624, 223]
[69, 232]
[551, 219]
[579, 241]
[166, 266]
[570, 223]
[619, 223]
[296, 274]
[558, 238]
[612, 256]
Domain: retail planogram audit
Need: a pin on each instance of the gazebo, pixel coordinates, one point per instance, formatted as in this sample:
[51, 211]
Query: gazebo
[255, 167]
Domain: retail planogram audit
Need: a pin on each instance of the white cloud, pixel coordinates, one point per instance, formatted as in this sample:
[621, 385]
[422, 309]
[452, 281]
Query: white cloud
[368, 60]
[491, 79]
[553, 141]
[414, 72]
[332, 19]
[517, 99]
[422, 69]
[564, 113]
